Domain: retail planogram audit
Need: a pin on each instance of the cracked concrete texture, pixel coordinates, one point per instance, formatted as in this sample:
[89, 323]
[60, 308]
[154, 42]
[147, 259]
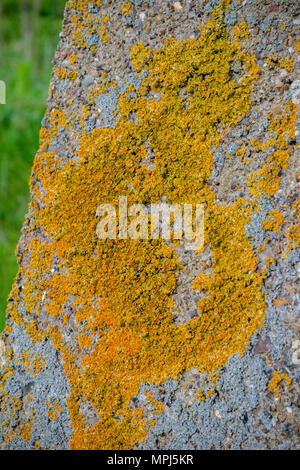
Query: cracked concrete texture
[242, 413]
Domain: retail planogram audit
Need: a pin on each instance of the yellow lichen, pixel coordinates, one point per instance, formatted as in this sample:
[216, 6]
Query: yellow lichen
[84, 24]
[293, 233]
[136, 326]
[287, 64]
[72, 59]
[273, 222]
[64, 74]
[272, 61]
[276, 381]
[122, 288]
[53, 408]
[126, 9]
[297, 45]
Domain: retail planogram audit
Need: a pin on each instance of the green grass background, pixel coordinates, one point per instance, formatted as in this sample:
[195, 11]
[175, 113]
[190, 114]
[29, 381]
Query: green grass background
[29, 31]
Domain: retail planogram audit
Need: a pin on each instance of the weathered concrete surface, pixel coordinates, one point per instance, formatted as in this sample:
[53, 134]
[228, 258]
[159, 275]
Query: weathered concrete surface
[94, 354]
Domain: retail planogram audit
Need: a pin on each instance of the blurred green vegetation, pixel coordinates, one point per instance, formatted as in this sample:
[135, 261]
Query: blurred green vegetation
[29, 31]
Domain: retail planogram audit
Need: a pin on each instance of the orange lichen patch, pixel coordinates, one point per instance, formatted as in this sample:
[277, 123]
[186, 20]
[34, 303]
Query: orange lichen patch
[103, 34]
[224, 4]
[240, 32]
[266, 180]
[72, 59]
[158, 406]
[84, 24]
[201, 395]
[14, 405]
[269, 261]
[125, 286]
[202, 282]
[293, 233]
[64, 74]
[25, 430]
[56, 119]
[272, 61]
[33, 363]
[276, 381]
[210, 392]
[105, 19]
[287, 64]
[124, 325]
[54, 409]
[273, 222]
[283, 127]
[126, 9]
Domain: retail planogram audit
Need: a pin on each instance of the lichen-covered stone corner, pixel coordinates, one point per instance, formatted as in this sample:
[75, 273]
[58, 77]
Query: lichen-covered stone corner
[126, 344]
